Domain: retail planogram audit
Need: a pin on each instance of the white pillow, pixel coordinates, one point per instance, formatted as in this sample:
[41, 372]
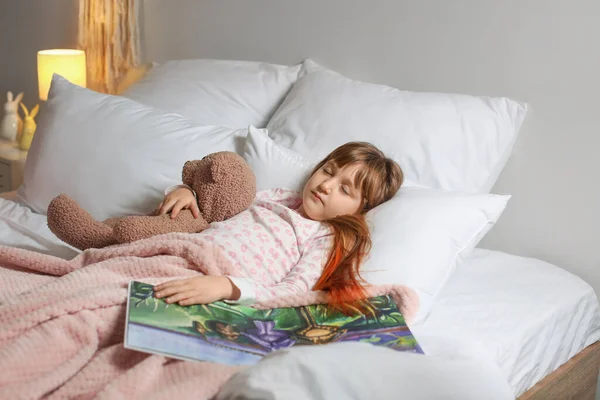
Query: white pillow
[446, 141]
[418, 236]
[274, 166]
[112, 155]
[216, 92]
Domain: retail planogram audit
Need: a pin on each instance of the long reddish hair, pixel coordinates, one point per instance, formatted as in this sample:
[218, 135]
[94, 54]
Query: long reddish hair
[379, 179]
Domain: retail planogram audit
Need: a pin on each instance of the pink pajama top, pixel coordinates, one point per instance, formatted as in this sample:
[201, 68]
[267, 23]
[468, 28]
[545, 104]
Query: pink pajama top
[276, 251]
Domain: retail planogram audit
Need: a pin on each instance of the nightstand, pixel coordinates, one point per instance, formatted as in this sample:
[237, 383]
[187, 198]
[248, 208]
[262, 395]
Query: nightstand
[12, 164]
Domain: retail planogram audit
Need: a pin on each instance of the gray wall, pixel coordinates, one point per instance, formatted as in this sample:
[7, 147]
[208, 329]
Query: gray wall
[545, 52]
[27, 26]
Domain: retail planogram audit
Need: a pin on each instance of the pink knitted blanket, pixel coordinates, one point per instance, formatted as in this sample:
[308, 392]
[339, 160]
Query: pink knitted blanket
[62, 322]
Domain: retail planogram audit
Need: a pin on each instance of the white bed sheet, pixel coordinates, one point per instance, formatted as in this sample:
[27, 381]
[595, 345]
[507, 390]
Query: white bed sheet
[21, 227]
[524, 315]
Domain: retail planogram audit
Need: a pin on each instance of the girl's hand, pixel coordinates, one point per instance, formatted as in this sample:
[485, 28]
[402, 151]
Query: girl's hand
[197, 290]
[177, 200]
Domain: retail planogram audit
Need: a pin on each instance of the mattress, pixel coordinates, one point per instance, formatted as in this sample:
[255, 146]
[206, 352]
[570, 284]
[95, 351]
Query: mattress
[524, 315]
[521, 316]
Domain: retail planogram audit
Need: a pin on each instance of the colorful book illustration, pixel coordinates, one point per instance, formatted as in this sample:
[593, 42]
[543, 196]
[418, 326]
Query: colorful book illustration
[242, 335]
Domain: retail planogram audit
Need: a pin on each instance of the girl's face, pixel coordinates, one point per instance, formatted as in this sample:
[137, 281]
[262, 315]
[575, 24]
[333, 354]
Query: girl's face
[330, 192]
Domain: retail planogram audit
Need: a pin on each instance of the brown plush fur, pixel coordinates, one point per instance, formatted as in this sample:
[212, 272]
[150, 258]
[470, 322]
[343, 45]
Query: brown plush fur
[223, 182]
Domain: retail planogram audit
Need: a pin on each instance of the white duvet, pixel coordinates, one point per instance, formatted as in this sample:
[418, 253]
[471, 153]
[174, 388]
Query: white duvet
[345, 371]
[20, 227]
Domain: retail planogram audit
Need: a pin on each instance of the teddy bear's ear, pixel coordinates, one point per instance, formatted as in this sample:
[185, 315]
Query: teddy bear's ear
[225, 166]
[219, 170]
[189, 170]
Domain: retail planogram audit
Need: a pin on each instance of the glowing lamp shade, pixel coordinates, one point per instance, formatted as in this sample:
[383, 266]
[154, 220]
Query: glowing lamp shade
[70, 64]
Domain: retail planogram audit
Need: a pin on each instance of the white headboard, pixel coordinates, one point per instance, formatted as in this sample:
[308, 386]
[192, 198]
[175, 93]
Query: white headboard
[544, 52]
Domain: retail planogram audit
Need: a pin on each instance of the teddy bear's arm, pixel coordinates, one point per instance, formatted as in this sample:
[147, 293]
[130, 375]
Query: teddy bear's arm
[130, 229]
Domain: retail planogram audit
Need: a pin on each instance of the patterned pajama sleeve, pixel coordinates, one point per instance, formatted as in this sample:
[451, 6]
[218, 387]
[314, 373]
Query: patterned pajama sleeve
[300, 280]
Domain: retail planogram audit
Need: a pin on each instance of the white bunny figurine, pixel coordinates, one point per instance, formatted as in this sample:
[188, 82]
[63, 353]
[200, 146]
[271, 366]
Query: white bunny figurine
[11, 123]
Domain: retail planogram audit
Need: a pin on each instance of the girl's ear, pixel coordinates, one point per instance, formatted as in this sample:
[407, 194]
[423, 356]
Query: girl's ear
[35, 110]
[24, 109]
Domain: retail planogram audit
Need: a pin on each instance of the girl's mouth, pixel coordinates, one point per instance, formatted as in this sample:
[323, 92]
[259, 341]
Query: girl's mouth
[317, 196]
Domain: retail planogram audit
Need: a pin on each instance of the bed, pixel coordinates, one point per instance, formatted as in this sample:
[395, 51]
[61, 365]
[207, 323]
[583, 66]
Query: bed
[533, 323]
[545, 346]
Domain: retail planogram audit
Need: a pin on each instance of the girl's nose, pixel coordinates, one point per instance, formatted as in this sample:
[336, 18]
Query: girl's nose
[324, 187]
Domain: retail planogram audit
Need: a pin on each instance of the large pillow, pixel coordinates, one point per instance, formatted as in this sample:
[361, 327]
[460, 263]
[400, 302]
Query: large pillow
[216, 92]
[112, 155]
[445, 141]
[418, 236]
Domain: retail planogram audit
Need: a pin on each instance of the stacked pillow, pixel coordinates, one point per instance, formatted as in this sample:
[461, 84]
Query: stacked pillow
[451, 147]
[112, 155]
[445, 141]
[226, 93]
[417, 236]
[116, 155]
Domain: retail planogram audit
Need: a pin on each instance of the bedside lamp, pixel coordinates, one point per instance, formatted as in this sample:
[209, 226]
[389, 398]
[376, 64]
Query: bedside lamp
[70, 64]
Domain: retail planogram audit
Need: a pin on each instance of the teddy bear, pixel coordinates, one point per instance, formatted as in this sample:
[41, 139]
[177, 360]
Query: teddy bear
[224, 184]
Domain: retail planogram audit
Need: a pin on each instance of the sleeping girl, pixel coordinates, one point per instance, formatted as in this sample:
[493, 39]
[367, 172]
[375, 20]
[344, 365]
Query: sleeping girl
[289, 243]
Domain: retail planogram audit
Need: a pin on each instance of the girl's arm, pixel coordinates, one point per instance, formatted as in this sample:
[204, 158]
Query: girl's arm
[300, 280]
[207, 289]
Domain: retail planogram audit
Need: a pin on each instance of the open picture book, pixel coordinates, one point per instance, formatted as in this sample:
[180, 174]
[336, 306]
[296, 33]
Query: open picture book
[241, 335]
